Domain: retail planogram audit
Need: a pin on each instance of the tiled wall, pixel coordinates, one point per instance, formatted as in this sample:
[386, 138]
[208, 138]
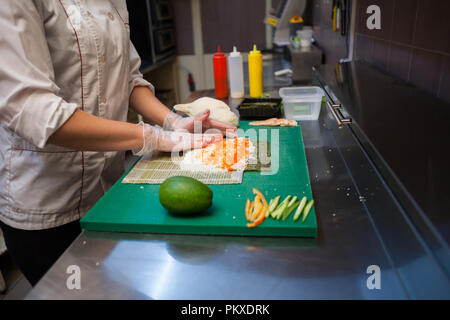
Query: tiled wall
[413, 42]
[227, 23]
[183, 26]
[231, 23]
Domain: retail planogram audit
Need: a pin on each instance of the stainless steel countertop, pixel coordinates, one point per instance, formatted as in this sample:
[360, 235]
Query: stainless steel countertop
[146, 266]
[353, 215]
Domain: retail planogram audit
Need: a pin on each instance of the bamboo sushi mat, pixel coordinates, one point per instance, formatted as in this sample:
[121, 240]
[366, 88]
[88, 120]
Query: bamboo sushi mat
[155, 168]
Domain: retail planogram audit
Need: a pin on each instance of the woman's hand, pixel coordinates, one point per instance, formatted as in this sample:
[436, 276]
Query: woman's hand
[144, 102]
[198, 124]
[159, 139]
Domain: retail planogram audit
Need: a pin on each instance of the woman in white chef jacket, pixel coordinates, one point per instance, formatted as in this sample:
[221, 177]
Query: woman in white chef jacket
[68, 73]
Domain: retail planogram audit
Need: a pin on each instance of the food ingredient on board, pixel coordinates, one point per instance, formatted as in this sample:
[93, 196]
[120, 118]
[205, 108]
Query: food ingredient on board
[307, 209]
[284, 209]
[247, 208]
[185, 196]
[258, 209]
[225, 155]
[272, 205]
[281, 207]
[219, 110]
[255, 211]
[289, 209]
[300, 207]
[275, 122]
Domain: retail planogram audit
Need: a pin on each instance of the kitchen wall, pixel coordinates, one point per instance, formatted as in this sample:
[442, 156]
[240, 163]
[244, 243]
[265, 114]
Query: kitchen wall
[412, 44]
[333, 44]
[201, 25]
[184, 30]
[233, 23]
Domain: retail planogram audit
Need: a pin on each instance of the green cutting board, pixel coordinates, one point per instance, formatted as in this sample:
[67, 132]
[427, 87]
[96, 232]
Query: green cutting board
[136, 207]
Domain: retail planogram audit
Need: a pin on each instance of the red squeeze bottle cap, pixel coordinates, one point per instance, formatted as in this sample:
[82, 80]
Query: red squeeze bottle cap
[219, 53]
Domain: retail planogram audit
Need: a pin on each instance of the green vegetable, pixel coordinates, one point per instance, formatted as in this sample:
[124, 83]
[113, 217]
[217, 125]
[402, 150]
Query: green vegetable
[307, 209]
[298, 212]
[276, 214]
[283, 205]
[184, 195]
[292, 201]
[289, 209]
[268, 211]
[272, 205]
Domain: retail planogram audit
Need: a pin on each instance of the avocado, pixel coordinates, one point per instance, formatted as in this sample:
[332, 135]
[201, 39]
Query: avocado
[185, 196]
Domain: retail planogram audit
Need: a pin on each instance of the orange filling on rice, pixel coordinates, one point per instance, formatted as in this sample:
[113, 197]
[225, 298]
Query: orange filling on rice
[226, 153]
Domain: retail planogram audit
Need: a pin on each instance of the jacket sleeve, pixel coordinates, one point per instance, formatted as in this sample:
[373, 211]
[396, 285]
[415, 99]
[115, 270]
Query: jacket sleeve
[136, 78]
[29, 101]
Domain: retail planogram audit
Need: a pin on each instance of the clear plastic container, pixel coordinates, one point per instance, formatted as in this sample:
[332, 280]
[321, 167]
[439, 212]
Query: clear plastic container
[305, 36]
[301, 103]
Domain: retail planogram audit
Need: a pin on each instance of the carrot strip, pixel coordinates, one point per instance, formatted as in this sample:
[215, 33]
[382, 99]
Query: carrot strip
[247, 205]
[260, 219]
[250, 208]
[257, 208]
[255, 211]
[258, 193]
[257, 220]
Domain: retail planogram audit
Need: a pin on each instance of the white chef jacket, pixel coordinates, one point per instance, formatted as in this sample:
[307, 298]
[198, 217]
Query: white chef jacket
[57, 56]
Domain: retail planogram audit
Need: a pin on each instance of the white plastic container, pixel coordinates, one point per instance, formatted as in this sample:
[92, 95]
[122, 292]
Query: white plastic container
[236, 74]
[301, 103]
[305, 36]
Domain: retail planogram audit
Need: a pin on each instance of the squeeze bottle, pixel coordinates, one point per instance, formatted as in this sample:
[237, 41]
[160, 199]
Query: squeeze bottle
[236, 74]
[255, 73]
[220, 74]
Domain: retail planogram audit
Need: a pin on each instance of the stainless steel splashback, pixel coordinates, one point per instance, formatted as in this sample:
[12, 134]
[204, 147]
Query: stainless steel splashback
[400, 131]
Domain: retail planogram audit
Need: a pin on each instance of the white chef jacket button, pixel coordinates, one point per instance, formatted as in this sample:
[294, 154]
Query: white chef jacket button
[110, 16]
[103, 100]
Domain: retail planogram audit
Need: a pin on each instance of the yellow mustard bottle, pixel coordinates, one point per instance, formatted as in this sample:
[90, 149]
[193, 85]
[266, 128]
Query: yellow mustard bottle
[255, 73]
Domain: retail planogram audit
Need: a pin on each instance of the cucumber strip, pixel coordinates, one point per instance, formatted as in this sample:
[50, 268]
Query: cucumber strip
[279, 210]
[289, 209]
[280, 207]
[279, 215]
[307, 209]
[268, 211]
[292, 201]
[272, 205]
[285, 207]
[300, 208]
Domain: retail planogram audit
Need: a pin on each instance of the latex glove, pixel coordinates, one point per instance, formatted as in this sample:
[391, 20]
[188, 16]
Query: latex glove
[156, 138]
[201, 121]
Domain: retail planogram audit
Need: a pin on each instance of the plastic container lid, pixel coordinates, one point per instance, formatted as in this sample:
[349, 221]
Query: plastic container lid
[235, 53]
[305, 34]
[301, 92]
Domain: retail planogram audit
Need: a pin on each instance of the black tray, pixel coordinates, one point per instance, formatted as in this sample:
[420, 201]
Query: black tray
[259, 108]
